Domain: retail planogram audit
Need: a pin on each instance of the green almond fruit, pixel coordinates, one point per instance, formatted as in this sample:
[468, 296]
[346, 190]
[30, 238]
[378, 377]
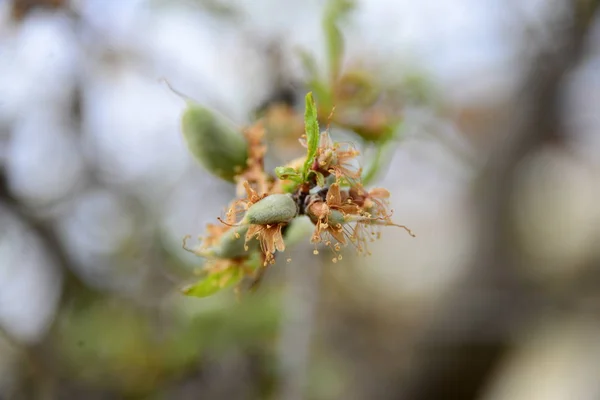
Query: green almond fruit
[298, 230]
[221, 149]
[337, 218]
[273, 209]
[232, 244]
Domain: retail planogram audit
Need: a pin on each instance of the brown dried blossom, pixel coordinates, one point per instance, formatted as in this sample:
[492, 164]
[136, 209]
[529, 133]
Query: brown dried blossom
[353, 216]
[270, 238]
[336, 158]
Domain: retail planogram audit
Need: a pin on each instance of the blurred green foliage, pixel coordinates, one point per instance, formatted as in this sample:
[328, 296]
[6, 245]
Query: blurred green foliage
[109, 342]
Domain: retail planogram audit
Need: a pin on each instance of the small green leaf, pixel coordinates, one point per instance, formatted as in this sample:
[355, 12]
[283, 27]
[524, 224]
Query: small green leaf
[336, 9]
[335, 50]
[315, 81]
[288, 173]
[311, 126]
[383, 151]
[323, 94]
[309, 63]
[214, 282]
[290, 187]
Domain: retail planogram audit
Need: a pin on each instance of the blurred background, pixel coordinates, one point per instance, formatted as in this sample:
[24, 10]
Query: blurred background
[496, 168]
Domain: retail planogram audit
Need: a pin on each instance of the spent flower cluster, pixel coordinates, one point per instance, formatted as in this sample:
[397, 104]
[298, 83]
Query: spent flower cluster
[325, 185]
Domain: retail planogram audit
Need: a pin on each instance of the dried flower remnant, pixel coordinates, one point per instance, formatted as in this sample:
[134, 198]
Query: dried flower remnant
[270, 239]
[221, 240]
[266, 218]
[349, 216]
[336, 158]
[254, 173]
[374, 203]
[252, 197]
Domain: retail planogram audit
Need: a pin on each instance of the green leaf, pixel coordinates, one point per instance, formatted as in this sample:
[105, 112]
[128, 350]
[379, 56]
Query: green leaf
[315, 82]
[311, 126]
[335, 50]
[214, 282]
[309, 63]
[336, 9]
[288, 173]
[290, 187]
[323, 95]
[383, 152]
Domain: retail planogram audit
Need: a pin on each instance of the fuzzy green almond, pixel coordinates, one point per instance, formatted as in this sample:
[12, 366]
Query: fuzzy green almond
[334, 218]
[273, 209]
[233, 244]
[337, 218]
[221, 149]
[298, 230]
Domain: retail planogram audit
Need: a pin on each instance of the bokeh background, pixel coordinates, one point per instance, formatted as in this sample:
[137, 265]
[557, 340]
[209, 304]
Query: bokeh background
[497, 170]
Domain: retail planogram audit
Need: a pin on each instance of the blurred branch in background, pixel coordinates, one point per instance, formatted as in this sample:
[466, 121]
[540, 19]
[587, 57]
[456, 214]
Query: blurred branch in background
[45, 231]
[473, 327]
[38, 368]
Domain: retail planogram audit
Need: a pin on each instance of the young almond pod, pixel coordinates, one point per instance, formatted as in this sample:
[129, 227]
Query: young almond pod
[273, 209]
[232, 244]
[320, 211]
[221, 149]
[266, 219]
[298, 230]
